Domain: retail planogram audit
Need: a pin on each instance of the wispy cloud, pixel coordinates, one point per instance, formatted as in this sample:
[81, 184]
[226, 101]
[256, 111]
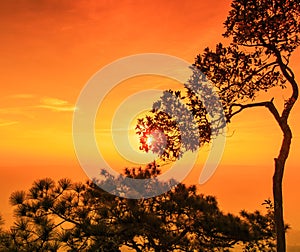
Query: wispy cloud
[21, 96]
[8, 123]
[28, 106]
[102, 130]
[57, 108]
[55, 104]
[53, 101]
[12, 112]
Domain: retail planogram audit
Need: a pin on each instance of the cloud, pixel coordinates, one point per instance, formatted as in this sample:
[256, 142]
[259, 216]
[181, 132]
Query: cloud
[103, 130]
[22, 96]
[58, 108]
[22, 111]
[53, 101]
[8, 123]
[29, 106]
[55, 104]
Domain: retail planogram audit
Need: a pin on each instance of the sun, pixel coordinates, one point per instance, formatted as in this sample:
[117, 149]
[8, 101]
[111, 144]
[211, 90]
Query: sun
[153, 140]
[147, 140]
[150, 140]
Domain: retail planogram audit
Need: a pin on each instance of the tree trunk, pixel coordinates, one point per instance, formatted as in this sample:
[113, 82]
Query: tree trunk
[278, 208]
[277, 187]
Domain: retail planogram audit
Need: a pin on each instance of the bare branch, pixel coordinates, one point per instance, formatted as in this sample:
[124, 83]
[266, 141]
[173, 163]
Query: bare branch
[289, 75]
[268, 104]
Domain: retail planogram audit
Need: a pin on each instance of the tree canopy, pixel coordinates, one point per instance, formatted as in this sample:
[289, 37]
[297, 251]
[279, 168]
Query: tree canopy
[83, 217]
[262, 37]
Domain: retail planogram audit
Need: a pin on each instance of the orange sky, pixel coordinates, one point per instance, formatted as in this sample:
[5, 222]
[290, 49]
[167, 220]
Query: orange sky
[49, 50]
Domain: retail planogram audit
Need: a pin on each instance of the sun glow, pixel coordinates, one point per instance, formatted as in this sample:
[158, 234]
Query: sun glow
[150, 140]
[153, 140]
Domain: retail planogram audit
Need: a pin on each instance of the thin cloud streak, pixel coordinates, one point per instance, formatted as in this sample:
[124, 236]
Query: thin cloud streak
[56, 104]
[21, 96]
[114, 130]
[53, 101]
[57, 108]
[13, 114]
[8, 123]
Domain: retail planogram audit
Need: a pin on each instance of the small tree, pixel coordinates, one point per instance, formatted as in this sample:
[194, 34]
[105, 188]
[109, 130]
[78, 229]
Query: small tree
[83, 217]
[264, 34]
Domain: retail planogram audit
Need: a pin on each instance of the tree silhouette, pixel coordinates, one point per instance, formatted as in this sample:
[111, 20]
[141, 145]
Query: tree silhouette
[83, 217]
[264, 34]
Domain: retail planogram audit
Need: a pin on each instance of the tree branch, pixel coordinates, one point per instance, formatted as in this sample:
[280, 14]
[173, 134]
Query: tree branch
[289, 75]
[268, 104]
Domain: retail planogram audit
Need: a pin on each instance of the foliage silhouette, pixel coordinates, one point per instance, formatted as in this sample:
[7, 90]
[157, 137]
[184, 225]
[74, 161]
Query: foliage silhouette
[263, 34]
[83, 217]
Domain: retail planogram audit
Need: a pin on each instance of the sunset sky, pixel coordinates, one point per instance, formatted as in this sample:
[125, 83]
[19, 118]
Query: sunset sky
[51, 48]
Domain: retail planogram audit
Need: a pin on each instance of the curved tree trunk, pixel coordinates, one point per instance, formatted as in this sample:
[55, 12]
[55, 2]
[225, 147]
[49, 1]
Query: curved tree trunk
[284, 150]
[277, 187]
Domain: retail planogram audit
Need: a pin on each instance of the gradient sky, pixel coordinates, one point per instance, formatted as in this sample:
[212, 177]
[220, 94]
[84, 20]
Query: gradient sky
[50, 49]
